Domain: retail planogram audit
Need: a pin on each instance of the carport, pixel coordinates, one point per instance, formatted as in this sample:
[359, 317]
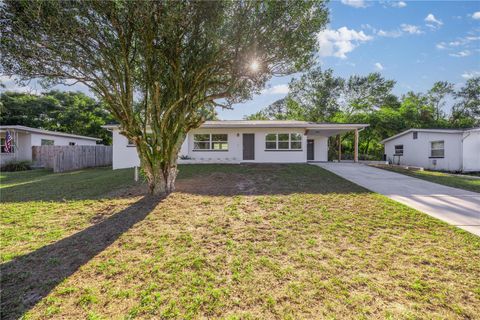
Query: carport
[318, 135]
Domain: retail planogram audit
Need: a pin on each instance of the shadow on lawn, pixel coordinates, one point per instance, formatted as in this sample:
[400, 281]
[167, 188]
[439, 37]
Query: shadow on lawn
[29, 278]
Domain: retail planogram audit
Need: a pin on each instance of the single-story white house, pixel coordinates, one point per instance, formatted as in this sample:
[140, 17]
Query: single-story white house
[435, 149]
[238, 141]
[24, 138]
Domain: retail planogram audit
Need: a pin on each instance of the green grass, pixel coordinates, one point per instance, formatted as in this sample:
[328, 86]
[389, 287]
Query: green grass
[40, 185]
[470, 183]
[39, 207]
[242, 242]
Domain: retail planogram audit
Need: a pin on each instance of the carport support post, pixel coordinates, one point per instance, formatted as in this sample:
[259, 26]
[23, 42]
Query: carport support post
[339, 148]
[355, 157]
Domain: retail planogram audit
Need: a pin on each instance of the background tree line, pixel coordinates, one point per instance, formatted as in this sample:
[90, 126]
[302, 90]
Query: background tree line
[320, 96]
[70, 112]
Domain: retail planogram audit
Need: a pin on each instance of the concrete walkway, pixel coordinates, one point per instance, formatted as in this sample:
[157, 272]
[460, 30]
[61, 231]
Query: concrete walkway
[455, 206]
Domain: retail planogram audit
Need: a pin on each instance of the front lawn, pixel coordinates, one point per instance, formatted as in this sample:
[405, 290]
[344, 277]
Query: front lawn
[470, 183]
[234, 242]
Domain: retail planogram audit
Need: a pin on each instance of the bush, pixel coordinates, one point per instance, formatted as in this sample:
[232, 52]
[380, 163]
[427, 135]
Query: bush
[16, 166]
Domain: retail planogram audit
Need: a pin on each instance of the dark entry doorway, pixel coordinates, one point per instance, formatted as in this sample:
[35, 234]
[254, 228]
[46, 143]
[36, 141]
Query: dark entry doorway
[248, 146]
[310, 150]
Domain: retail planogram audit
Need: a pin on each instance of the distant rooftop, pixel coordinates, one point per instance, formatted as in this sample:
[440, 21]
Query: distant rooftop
[4, 128]
[440, 130]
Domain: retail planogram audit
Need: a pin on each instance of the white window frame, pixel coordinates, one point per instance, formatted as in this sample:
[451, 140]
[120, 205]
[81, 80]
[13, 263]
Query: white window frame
[276, 141]
[210, 142]
[395, 149]
[436, 149]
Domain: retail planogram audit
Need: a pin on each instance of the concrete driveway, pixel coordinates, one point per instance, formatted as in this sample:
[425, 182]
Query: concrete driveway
[455, 206]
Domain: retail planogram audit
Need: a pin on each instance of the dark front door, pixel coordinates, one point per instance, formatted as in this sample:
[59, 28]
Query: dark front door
[310, 150]
[248, 146]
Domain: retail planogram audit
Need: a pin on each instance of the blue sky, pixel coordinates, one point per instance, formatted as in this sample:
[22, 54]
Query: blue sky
[413, 42]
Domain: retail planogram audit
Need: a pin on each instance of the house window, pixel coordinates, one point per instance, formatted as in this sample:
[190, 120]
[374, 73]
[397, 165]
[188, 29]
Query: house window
[415, 135]
[437, 149]
[2, 146]
[399, 150]
[283, 141]
[210, 142]
[130, 143]
[71, 143]
[46, 142]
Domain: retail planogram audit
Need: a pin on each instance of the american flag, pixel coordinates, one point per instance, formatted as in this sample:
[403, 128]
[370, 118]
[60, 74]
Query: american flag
[8, 142]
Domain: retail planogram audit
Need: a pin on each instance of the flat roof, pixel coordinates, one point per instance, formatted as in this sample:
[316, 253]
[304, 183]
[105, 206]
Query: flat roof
[429, 130]
[41, 131]
[270, 124]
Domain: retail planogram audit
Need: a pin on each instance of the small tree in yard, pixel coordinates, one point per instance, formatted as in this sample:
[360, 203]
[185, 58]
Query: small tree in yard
[161, 66]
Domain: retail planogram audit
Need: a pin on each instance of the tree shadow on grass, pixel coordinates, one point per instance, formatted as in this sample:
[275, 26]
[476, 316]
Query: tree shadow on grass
[29, 278]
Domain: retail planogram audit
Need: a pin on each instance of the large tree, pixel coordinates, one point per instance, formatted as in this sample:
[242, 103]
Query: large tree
[466, 111]
[437, 96]
[161, 66]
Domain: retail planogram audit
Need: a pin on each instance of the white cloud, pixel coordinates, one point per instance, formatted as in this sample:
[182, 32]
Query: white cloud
[278, 89]
[378, 66]
[461, 54]
[471, 74]
[432, 22]
[399, 4]
[411, 28]
[465, 44]
[337, 43]
[390, 34]
[476, 15]
[355, 3]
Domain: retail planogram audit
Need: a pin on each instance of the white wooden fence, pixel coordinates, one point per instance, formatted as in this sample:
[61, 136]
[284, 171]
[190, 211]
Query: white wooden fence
[68, 158]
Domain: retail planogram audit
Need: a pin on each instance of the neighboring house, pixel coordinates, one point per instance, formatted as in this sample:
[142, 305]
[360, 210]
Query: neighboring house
[24, 138]
[436, 149]
[246, 141]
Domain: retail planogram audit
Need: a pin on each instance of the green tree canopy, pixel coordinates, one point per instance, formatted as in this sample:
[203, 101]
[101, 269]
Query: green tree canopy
[70, 112]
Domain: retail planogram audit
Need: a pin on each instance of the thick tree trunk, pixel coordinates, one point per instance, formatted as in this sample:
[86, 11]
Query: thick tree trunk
[161, 181]
[159, 164]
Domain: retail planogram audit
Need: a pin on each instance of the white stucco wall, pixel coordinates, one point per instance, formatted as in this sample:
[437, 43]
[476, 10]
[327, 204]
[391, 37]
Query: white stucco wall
[320, 148]
[471, 151]
[36, 140]
[235, 146]
[417, 152]
[126, 157]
